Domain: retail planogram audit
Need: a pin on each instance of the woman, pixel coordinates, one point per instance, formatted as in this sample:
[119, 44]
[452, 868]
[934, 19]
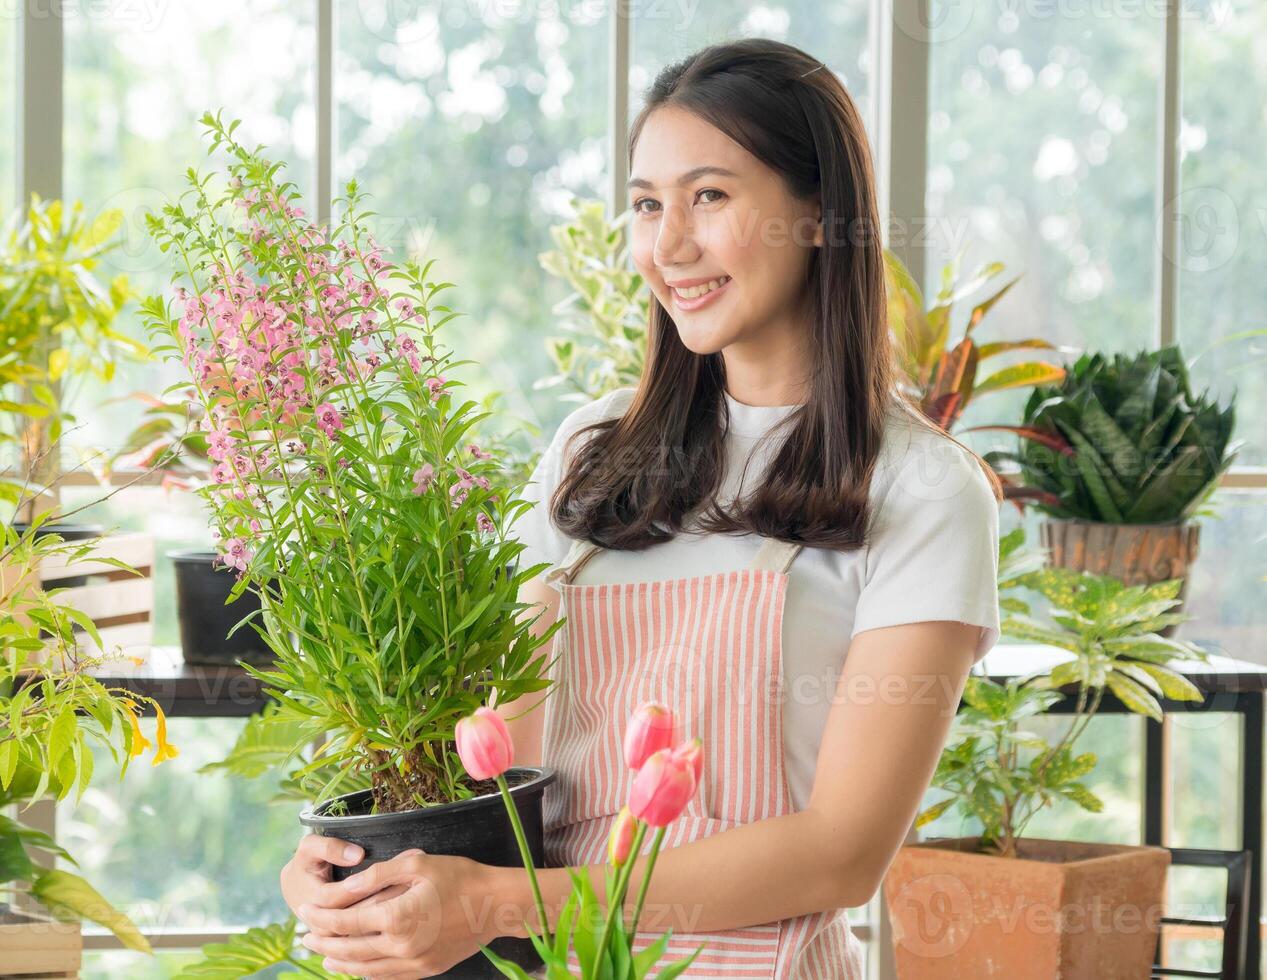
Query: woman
[762, 534]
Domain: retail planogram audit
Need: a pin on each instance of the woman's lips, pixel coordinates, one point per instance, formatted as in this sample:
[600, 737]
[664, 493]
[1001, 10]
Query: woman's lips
[699, 301]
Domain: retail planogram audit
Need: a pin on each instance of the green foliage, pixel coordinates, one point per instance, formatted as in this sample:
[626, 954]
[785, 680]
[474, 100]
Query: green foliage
[607, 313]
[995, 768]
[51, 711]
[940, 375]
[580, 927]
[56, 319]
[255, 950]
[1128, 442]
[390, 599]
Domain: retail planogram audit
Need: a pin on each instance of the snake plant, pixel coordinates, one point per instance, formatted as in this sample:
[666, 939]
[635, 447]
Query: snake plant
[1126, 442]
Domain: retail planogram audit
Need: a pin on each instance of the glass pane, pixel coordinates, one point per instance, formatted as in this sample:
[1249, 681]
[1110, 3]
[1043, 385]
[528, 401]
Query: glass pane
[1222, 244]
[1042, 145]
[471, 126]
[1225, 591]
[835, 33]
[179, 850]
[8, 112]
[134, 93]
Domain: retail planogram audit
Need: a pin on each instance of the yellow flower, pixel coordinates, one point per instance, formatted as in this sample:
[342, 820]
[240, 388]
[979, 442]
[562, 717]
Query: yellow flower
[139, 742]
[165, 749]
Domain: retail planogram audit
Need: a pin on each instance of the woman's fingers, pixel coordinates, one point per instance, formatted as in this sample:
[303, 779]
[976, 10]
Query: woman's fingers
[315, 852]
[349, 947]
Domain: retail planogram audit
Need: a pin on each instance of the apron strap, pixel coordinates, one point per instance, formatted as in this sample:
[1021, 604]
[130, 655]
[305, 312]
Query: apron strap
[582, 550]
[775, 555]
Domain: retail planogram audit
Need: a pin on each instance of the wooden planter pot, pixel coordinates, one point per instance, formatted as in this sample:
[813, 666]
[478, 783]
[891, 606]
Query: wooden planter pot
[1062, 910]
[1138, 554]
[35, 945]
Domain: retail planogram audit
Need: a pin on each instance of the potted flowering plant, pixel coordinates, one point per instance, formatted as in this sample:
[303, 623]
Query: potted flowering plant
[1087, 903]
[343, 471]
[595, 941]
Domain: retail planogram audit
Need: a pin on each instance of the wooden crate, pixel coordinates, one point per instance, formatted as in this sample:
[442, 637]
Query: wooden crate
[33, 945]
[120, 603]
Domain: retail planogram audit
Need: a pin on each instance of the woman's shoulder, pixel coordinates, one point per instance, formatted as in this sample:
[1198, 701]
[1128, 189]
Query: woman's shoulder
[918, 463]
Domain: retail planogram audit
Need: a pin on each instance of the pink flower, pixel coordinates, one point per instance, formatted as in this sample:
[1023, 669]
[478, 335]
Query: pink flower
[328, 419]
[423, 477]
[485, 523]
[235, 554]
[436, 386]
[651, 728]
[484, 743]
[662, 788]
[620, 843]
[691, 753]
[478, 453]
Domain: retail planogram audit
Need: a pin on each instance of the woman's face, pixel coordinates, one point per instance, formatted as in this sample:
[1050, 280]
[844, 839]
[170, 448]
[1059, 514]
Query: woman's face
[741, 227]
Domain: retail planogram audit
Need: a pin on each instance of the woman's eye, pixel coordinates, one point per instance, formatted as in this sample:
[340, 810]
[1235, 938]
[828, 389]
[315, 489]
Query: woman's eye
[637, 205]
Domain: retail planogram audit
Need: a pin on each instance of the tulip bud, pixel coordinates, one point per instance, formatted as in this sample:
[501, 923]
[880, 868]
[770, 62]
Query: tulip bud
[621, 839]
[651, 728]
[692, 753]
[662, 788]
[484, 743]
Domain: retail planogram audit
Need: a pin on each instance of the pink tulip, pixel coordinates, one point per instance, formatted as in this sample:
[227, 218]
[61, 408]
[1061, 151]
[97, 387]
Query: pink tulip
[651, 728]
[484, 743]
[692, 753]
[662, 788]
[621, 840]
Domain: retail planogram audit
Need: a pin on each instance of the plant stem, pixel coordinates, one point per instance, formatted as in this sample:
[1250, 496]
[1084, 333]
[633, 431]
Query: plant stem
[617, 904]
[526, 855]
[646, 879]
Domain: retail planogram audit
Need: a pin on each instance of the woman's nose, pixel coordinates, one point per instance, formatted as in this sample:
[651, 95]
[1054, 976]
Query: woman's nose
[673, 240]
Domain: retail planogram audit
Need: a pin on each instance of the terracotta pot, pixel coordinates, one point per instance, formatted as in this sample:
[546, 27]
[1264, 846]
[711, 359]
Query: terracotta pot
[1062, 910]
[1138, 554]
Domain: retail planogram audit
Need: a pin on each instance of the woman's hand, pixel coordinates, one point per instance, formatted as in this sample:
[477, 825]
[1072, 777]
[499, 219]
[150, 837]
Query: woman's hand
[309, 868]
[441, 910]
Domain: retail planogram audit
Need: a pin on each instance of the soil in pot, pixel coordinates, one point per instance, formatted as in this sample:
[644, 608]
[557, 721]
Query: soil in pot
[205, 621]
[477, 828]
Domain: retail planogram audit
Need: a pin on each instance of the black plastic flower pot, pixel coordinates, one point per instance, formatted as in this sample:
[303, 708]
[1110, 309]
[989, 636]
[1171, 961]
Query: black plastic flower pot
[478, 828]
[201, 590]
[68, 532]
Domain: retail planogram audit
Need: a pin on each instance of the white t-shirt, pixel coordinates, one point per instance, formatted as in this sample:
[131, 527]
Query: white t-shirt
[932, 555]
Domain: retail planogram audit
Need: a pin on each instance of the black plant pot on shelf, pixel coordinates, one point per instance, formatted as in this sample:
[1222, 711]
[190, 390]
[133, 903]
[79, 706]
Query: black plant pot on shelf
[201, 590]
[68, 532]
[478, 828]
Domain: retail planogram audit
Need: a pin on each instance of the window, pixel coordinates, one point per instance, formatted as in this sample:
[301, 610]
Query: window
[136, 86]
[837, 32]
[471, 126]
[1042, 136]
[1221, 211]
[8, 113]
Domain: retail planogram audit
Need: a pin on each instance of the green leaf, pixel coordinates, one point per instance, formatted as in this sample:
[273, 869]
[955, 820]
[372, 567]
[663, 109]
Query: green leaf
[66, 894]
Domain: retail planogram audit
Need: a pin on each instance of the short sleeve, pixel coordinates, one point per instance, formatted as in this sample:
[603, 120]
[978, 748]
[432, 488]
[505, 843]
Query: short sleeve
[934, 543]
[542, 540]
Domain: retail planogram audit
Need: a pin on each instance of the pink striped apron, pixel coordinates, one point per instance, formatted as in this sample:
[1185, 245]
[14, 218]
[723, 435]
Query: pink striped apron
[710, 648]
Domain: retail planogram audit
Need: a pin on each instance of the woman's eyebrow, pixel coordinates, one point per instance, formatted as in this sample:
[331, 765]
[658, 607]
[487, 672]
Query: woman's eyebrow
[686, 178]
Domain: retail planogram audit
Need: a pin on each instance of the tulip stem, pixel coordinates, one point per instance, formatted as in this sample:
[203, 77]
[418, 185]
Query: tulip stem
[646, 879]
[526, 855]
[616, 906]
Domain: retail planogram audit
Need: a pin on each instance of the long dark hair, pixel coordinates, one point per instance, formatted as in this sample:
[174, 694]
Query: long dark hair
[642, 475]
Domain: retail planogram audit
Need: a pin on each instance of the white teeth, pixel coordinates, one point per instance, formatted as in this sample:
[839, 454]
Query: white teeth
[691, 292]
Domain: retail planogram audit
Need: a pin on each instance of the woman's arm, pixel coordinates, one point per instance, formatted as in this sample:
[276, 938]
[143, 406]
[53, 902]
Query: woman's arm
[524, 717]
[894, 704]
